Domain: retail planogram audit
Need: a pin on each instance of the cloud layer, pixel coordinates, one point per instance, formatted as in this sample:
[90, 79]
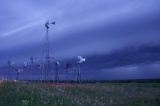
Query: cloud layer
[112, 33]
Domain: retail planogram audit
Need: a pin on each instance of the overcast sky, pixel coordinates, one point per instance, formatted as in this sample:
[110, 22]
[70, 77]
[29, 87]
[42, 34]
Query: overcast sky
[120, 39]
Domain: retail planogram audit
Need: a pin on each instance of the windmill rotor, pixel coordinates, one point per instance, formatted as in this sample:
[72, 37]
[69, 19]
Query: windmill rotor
[80, 60]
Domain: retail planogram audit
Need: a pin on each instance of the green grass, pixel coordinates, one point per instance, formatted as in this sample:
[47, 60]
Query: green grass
[23, 94]
[105, 94]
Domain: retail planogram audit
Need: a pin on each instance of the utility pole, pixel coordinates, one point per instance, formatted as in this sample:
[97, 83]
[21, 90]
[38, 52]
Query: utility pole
[48, 59]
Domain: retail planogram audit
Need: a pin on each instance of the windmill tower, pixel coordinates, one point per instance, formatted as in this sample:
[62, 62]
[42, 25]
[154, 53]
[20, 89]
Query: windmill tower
[67, 66]
[32, 60]
[18, 73]
[48, 58]
[32, 66]
[9, 68]
[80, 60]
[57, 72]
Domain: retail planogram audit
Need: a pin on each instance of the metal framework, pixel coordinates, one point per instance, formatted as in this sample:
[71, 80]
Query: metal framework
[48, 58]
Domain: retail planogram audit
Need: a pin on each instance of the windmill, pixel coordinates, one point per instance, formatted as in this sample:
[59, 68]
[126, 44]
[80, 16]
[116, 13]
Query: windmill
[42, 67]
[48, 61]
[67, 66]
[25, 64]
[9, 66]
[57, 72]
[80, 60]
[19, 70]
[32, 59]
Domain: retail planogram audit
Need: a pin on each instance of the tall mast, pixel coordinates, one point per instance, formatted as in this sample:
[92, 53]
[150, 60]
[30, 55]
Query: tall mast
[48, 58]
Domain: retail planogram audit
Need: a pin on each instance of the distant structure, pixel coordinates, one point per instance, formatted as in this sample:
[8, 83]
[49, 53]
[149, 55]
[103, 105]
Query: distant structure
[67, 66]
[9, 68]
[25, 64]
[32, 64]
[80, 59]
[57, 71]
[48, 58]
[32, 60]
[18, 73]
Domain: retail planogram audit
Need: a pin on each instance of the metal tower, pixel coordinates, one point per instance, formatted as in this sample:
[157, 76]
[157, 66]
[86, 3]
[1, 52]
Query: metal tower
[78, 73]
[48, 59]
[9, 66]
[80, 60]
[67, 66]
[57, 72]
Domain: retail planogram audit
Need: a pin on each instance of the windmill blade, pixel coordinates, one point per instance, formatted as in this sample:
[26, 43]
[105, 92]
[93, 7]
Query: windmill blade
[47, 25]
[81, 59]
[57, 63]
[20, 70]
[25, 64]
[13, 63]
[53, 22]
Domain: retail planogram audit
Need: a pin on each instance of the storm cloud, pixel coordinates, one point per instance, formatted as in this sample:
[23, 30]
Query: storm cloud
[111, 34]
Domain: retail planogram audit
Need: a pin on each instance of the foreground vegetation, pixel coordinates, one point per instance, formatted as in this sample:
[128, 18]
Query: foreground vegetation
[87, 94]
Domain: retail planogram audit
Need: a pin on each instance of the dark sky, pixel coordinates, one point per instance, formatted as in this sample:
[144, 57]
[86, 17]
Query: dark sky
[120, 39]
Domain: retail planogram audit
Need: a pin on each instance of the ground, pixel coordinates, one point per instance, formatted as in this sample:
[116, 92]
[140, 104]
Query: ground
[86, 94]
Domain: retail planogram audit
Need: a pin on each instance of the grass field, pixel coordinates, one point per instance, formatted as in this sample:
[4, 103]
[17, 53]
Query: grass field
[87, 94]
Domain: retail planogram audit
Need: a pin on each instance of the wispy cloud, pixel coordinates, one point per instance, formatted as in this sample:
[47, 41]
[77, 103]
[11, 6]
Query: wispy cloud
[21, 28]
